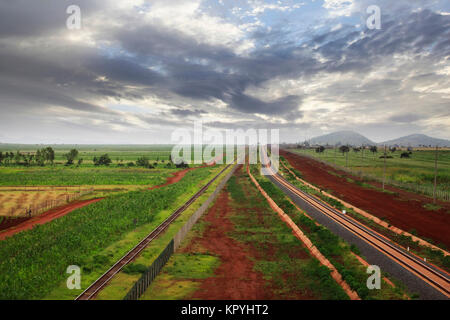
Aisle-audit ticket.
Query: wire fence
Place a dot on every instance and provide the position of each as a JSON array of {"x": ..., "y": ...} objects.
[
  {"x": 36, "y": 209},
  {"x": 150, "y": 274},
  {"x": 418, "y": 188}
]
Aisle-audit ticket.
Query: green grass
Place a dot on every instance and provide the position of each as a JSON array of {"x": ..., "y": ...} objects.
[
  {"x": 432, "y": 207},
  {"x": 33, "y": 263},
  {"x": 419, "y": 169},
  {"x": 61, "y": 176}
]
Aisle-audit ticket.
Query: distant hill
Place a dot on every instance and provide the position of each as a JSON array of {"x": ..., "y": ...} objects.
[
  {"x": 417, "y": 140},
  {"x": 341, "y": 138}
]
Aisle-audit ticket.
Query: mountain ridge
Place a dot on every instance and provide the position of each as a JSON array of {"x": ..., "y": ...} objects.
[{"x": 353, "y": 138}]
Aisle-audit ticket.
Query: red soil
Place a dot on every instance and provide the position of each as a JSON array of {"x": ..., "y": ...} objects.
[
  {"x": 45, "y": 217},
  {"x": 235, "y": 278},
  {"x": 176, "y": 176},
  {"x": 403, "y": 210}
]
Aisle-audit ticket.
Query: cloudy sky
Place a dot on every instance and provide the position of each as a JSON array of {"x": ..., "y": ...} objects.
[{"x": 137, "y": 70}]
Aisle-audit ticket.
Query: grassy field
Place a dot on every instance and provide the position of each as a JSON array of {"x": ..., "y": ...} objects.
[
  {"x": 15, "y": 203},
  {"x": 118, "y": 153},
  {"x": 418, "y": 169},
  {"x": 33, "y": 263},
  {"x": 71, "y": 176}
]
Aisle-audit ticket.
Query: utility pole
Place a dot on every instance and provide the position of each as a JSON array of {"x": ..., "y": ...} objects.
[
  {"x": 435, "y": 174},
  {"x": 384, "y": 169},
  {"x": 335, "y": 148},
  {"x": 346, "y": 156}
]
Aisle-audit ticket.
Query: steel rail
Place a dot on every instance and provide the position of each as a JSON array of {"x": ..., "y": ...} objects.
[
  {"x": 101, "y": 282},
  {"x": 443, "y": 282}
]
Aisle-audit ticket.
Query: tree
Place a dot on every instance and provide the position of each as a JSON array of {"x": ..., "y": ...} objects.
[
  {"x": 344, "y": 149},
  {"x": 17, "y": 157},
  {"x": 49, "y": 154},
  {"x": 71, "y": 156},
  {"x": 104, "y": 160},
  {"x": 182, "y": 164},
  {"x": 320, "y": 149},
  {"x": 144, "y": 162},
  {"x": 1, "y": 157},
  {"x": 40, "y": 157},
  {"x": 405, "y": 155}
]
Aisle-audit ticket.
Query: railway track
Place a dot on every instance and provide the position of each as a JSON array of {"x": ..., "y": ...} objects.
[
  {"x": 103, "y": 280},
  {"x": 434, "y": 277},
  {"x": 437, "y": 278}
]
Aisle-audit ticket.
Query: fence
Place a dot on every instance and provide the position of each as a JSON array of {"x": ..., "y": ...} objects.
[
  {"x": 418, "y": 188},
  {"x": 147, "y": 278},
  {"x": 37, "y": 209}
]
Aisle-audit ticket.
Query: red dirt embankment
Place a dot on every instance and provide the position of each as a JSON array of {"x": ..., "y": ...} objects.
[
  {"x": 404, "y": 209},
  {"x": 46, "y": 217},
  {"x": 235, "y": 278}
]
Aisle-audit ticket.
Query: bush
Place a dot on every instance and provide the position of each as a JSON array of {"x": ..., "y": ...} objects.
[
  {"x": 135, "y": 268},
  {"x": 104, "y": 160},
  {"x": 405, "y": 155}
]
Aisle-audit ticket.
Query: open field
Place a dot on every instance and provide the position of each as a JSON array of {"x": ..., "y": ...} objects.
[
  {"x": 125, "y": 153},
  {"x": 34, "y": 262},
  {"x": 16, "y": 203},
  {"x": 62, "y": 176},
  {"x": 416, "y": 170}
]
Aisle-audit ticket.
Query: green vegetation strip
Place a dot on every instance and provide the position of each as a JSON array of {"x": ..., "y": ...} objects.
[{"x": 33, "y": 263}]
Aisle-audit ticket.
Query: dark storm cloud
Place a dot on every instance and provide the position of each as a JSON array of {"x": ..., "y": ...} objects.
[
  {"x": 187, "y": 113},
  {"x": 406, "y": 118},
  {"x": 135, "y": 60},
  {"x": 25, "y": 18}
]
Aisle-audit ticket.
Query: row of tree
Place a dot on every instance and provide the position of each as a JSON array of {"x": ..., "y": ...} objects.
[
  {"x": 374, "y": 149},
  {"x": 40, "y": 157},
  {"x": 47, "y": 156}
]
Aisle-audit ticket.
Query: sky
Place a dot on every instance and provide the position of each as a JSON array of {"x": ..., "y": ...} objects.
[{"x": 138, "y": 70}]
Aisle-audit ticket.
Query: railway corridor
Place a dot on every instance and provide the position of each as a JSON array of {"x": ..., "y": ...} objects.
[{"x": 418, "y": 276}]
